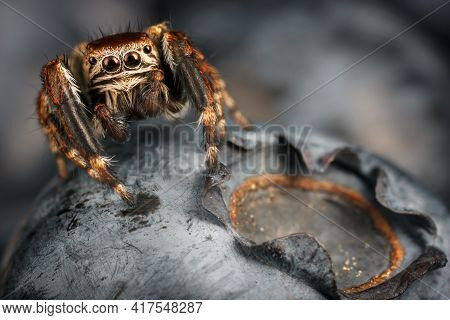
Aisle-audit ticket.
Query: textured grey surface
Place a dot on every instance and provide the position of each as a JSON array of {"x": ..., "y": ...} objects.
[
  {"x": 82, "y": 242},
  {"x": 79, "y": 244}
]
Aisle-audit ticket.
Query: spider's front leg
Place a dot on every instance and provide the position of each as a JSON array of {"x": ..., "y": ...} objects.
[
  {"x": 200, "y": 83},
  {"x": 63, "y": 117}
]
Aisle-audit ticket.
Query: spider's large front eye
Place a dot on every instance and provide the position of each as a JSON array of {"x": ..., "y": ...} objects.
[
  {"x": 111, "y": 64},
  {"x": 132, "y": 60},
  {"x": 147, "y": 49}
]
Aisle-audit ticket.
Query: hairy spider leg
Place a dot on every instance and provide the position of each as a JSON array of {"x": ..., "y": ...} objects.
[
  {"x": 63, "y": 118},
  {"x": 188, "y": 67}
]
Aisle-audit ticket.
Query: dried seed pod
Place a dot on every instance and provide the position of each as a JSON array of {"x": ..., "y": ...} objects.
[
  {"x": 353, "y": 227},
  {"x": 373, "y": 230}
]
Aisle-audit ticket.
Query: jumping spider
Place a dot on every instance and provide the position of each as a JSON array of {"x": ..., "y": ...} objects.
[{"x": 102, "y": 84}]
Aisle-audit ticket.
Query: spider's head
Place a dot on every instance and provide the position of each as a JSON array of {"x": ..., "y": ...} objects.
[{"x": 120, "y": 60}]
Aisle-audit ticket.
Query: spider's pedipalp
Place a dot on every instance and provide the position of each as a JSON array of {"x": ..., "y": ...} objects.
[
  {"x": 115, "y": 126},
  {"x": 64, "y": 119}
]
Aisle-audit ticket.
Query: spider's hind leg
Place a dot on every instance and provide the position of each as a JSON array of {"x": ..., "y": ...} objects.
[
  {"x": 222, "y": 96},
  {"x": 235, "y": 113}
]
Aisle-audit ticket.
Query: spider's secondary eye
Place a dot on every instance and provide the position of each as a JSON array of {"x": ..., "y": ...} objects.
[
  {"x": 132, "y": 59},
  {"x": 147, "y": 49},
  {"x": 111, "y": 64},
  {"x": 92, "y": 60}
]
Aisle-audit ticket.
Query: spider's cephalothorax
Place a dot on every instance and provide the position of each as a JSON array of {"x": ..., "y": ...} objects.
[{"x": 100, "y": 86}]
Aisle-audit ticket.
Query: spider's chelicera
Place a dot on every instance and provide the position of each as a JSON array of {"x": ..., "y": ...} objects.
[{"x": 105, "y": 83}]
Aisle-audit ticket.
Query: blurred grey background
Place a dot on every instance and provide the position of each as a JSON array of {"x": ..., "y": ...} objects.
[{"x": 272, "y": 53}]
